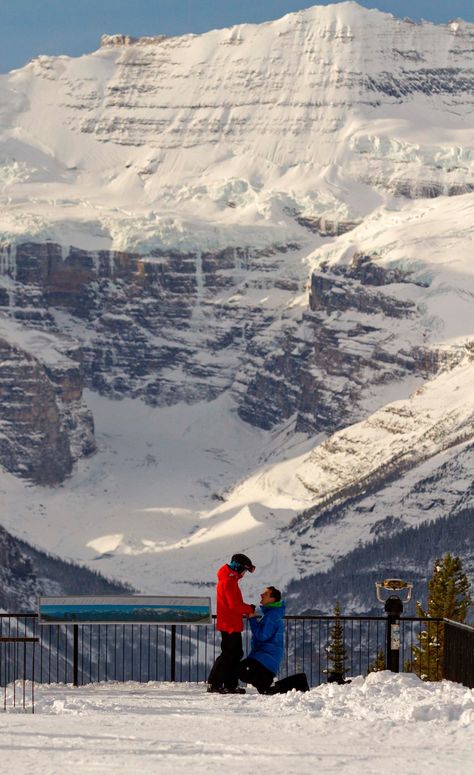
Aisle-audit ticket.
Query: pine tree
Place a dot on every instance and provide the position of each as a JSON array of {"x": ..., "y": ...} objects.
[
  {"x": 448, "y": 598},
  {"x": 336, "y": 653},
  {"x": 379, "y": 663}
]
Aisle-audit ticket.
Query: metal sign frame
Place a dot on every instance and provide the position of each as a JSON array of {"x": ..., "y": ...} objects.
[{"x": 124, "y": 609}]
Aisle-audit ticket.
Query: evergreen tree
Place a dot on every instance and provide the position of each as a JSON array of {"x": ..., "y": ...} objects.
[
  {"x": 448, "y": 598},
  {"x": 379, "y": 663},
  {"x": 336, "y": 653}
]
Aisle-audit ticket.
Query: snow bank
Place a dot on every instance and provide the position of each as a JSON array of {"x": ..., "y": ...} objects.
[
  {"x": 387, "y": 723},
  {"x": 382, "y": 696},
  {"x": 387, "y": 697}
]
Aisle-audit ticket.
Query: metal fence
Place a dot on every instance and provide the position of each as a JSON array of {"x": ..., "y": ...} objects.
[
  {"x": 459, "y": 653},
  {"x": 82, "y": 654},
  {"x": 17, "y": 673}
]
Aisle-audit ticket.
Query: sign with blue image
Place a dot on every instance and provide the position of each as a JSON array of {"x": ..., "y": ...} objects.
[{"x": 120, "y": 609}]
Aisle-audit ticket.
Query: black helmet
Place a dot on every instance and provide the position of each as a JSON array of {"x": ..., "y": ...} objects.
[{"x": 242, "y": 562}]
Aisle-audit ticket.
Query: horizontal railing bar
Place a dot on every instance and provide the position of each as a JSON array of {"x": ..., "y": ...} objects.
[
  {"x": 461, "y": 625},
  {"x": 292, "y": 617},
  {"x": 326, "y": 617},
  {"x": 33, "y": 614},
  {"x": 19, "y": 640}
]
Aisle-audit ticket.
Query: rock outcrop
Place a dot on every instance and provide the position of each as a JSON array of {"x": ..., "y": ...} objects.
[
  {"x": 165, "y": 327},
  {"x": 170, "y": 327},
  {"x": 44, "y": 424},
  {"x": 347, "y": 341}
]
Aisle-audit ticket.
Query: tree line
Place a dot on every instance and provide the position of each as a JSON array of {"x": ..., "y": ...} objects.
[
  {"x": 409, "y": 553},
  {"x": 448, "y": 597}
]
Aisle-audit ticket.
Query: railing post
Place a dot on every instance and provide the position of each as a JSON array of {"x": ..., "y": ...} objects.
[
  {"x": 20, "y": 666},
  {"x": 75, "y": 655},
  {"x": 393, "y": 608},
  {"x": 173, "y": 652},
  {"x": 459, "y": 652},
  {"x": 33, "y": 678}
]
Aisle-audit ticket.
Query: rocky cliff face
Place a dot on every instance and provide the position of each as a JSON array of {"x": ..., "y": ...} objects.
[
  {"x": 44, "y": 425},
  {"x": 171, "y": 326},
  {"x": 347, "y": 342},
  {"x": 166, "y": 327}
]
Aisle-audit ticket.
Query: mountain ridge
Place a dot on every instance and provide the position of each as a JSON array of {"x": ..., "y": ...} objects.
[{"x": 225, "y": 257}]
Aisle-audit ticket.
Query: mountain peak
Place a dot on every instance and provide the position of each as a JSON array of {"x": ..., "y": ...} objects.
[{"x": 128, "y": 40}]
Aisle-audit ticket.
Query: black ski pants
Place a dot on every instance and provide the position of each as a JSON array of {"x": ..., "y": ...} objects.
[
  {"x": 253, "y": 672},
  {"x": 225, "y": 670}
]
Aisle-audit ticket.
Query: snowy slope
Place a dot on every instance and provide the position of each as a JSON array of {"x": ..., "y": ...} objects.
[
  {"x": 143, "y": 508},
  {"x": 433, "y": 242}
]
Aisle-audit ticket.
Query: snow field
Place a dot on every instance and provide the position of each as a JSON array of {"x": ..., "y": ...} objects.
[{"x": 385, "y": 723}]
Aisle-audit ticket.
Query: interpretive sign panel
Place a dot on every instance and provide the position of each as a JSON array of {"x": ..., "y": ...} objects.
[{"x": 119, "y": 609}]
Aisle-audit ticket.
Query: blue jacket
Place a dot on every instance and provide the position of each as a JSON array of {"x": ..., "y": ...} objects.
[{"x": 267, "y": 643}]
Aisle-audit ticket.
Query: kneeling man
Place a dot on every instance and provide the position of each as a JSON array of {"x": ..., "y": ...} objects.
[{"x": 267, "y": 644}]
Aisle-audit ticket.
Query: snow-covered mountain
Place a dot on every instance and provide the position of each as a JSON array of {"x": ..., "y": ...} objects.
[
  {"x": 236, "y": 294},
  {"x": 27, "y": 572}
]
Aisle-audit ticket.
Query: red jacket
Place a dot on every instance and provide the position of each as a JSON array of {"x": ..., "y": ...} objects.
[{"x": 230, "y": 605}]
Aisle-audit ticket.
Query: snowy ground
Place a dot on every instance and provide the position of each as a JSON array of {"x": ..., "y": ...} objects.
[{"x": 384, "y": 723}]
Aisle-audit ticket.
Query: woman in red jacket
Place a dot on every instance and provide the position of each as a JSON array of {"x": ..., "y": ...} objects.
[{"x": 231, "y": 609}]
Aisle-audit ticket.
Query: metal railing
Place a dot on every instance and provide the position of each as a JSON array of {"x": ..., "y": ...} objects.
[
  {"x": 459, "y": 653},
  {"x": 82, "y": 654},
  {"x": 17, "y": 673}
]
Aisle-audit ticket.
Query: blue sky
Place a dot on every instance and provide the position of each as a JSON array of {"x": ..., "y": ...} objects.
[{"x": 74, "y": 27}]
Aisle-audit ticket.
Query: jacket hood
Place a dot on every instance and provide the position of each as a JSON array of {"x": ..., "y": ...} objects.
[
  {"x": 227, "y": 572},
  {"x": 276, "y": 611}
]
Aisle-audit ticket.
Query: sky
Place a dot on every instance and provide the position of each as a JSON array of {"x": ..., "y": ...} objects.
[{"x": 73, "y": 27}]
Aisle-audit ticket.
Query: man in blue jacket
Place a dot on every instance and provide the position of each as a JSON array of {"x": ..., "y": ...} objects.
[{"x": 266, "y": 648}]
